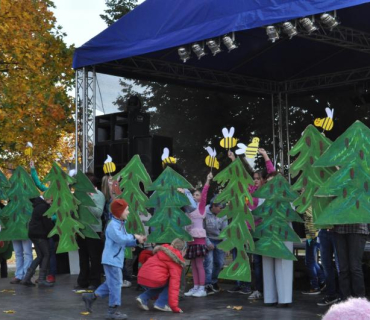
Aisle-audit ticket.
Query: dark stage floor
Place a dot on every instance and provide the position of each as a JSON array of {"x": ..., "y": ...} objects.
[{"x": 61, "y": 303}]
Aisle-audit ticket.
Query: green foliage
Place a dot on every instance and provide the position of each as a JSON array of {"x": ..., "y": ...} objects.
[
  {"x": 82, "y": 187},
  {"x": 169, "y": 220},
  {"x": 17, "y": 214},
  {"x": 64, "y": 206},
  {"x": 236, "y": 234},
  {"x": 117, "y": 9},
  {"x": 350, "y": 184},
  {"x": 276, "y": 213}
]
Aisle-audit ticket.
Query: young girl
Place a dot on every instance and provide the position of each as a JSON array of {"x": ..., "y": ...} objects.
[{"x": 197, "y": 248}]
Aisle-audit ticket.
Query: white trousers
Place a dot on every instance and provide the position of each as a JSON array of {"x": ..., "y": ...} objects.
[{"x": 278, "y": 279}]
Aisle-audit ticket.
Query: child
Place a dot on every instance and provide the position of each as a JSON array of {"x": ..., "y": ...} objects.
[
  {"x": 161, "y": 275},
  {"x": 116, "y": 240},
  {"x": 197, "y": 248}
]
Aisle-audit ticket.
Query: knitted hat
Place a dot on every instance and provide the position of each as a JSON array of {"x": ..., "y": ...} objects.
[{"x": 117, "y": 207}]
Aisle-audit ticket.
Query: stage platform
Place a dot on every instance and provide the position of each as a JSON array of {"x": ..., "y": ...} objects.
[{"x": 61, "y": 303}]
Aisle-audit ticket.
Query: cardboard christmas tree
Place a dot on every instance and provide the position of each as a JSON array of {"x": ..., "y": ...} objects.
[
  {"x": 133, "y": 177},
  {"x": 349, "y": 186},
  {"x": 236, "y": 234},
  {"x": 82, "y": 188},
  {"x": 169, "y": 220},
  {"x": 309, "y": 148},
  {"x": 17, "y": 214},
  {"x": 276, "y": 213},
  {"x": 64, "y": 206}
]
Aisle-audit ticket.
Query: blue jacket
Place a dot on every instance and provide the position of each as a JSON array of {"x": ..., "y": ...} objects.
[{"x": 116, "y": 240}]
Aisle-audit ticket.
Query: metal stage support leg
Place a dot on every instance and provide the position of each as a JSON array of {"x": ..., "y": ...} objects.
[
  {"x": 280, "y": 131},
  {"x": 85, "y": 118}
]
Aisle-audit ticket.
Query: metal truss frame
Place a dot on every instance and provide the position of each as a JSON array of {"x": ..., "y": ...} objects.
[{"x": 85, "y": 101}]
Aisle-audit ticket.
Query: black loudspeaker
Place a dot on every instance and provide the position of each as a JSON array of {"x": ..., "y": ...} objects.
[{"x": 150, "y": 150}]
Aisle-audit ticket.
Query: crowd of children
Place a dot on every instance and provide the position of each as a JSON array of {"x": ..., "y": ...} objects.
[{"x": 161, "y": 272}]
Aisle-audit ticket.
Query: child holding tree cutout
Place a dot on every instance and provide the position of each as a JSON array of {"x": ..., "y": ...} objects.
[
  {"x": 197, "y": 248},
  {"x": 117, "y": 239}
]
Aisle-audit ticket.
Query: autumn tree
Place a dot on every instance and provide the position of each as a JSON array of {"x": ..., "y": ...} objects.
[
  {"x": 236, "y": 234},
  {"x": 117, "y": 9},
  {"x": 17, "y": 214},
  {"x": 133, "y": 177},
  {"x": 350, "y": 185},
  {"x": 169, "y": 220},
  {"x": 35, "y": 75},
  {"x": 64, "y": 207}
]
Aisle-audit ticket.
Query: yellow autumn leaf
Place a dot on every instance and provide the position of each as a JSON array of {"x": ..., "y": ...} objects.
[
  {"x": 9, "y": 311},
  {"x": 85, "y": 313}
]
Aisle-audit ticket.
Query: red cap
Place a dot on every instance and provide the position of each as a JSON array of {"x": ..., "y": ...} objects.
[{"x": 117, "y": 207}]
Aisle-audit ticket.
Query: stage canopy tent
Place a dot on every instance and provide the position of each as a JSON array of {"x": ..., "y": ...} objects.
[{"x": 143, "y": 44}]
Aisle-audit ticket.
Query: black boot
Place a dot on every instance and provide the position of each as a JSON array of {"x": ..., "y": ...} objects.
[
  {"x": 42, "y": 280},
  {"x": 27, "y": 278}
]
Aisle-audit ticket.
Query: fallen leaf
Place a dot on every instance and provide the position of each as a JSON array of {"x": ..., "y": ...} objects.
[
  {"x": 238, "y": 308},
  {"x": 228, "y": 307},
  {"x": 8, "y": 290},
  {"x": 9, "y": 311},
  {"x": 85, "y": 313}
]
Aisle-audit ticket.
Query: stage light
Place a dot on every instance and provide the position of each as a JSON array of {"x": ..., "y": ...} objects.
[
  {"x": 229, "y": 42},
  {"x": 213, "y": 46},
  {"x": 289, "y": 29},
  {"x": 272, "y": 33},
  {"x": 328, "y": 20},
  {"x": 198, "y": 50},
  {"x": 308, "y": 25},
  {"x": 184, "y": 54}
]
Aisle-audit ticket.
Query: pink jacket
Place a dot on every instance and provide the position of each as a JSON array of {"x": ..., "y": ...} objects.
[{"x": 196, "y": 229}]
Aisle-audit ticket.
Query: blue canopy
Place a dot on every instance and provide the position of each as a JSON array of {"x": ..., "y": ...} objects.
[{"x": 161, "y": 24}]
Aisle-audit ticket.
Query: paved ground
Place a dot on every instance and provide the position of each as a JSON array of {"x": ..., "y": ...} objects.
[{"x": 61, "y": 303}]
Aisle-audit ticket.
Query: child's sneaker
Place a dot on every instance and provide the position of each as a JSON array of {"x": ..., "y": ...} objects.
[
  {"x": 126, "y": 284},
  {"x": 166, "y": 308},
  {"x": 141, "y": 304},
  {"x": 190, "y": 292},
  {"x": 200, "y": 293},
  {"x": 256, "y": 295},
  {"x": 89, "y": 299},
  {"x": 113, "y": 314}
]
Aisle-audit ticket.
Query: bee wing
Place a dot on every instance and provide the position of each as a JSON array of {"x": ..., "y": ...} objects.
[
  {"x": 231, "y": 132},
  {"x": 242, "y": 148},
  {"x": 209, "y": 150},
  {"x": 29, "y": 144},
  {"x": 214, "y": 153},
  {"x": 165, "y": 154},
  {"x": 329, "y": 112},
  {"x": 225, "y": 132},
  {"x": 109, "y": 159}
]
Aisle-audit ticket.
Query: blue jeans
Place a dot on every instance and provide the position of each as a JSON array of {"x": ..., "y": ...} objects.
[
  {"x": 150, "y": 293},
  {"x": 112, "y": 285},
  {"x": 328, "y": 251},
  {"x": 53, "y": 258},
  {"x": 23, "y": 257},
  {"x": 214, "y": 262},
  {"x": 315, "y": 273}
]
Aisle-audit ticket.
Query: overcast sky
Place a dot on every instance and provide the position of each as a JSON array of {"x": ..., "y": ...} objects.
[{"x": 81, "y": 21}]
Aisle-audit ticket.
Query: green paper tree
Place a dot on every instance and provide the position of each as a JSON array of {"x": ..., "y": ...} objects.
[
  {"x": 236, "y": 234},
  {"x": 4, "y": 186},
  {"x": 82, "y": 187},
  {"x": 276, "y": 213},
  {"x": 169, "y": 220},
  {"x": 17, "y": 214},
  {"x": 133, "y": 176},
  {"x": 309, "y": 148},
  {"x": 64, "y": 206},
  {"x": 350, "y": 185}
]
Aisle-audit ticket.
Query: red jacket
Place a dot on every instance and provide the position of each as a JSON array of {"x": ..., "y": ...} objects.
[{"x": 164, "y": 267}]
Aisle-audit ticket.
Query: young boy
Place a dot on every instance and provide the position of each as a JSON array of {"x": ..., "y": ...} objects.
[
  {"x": 161, "y": 276},
  {"x": 116, "y": 240}
]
